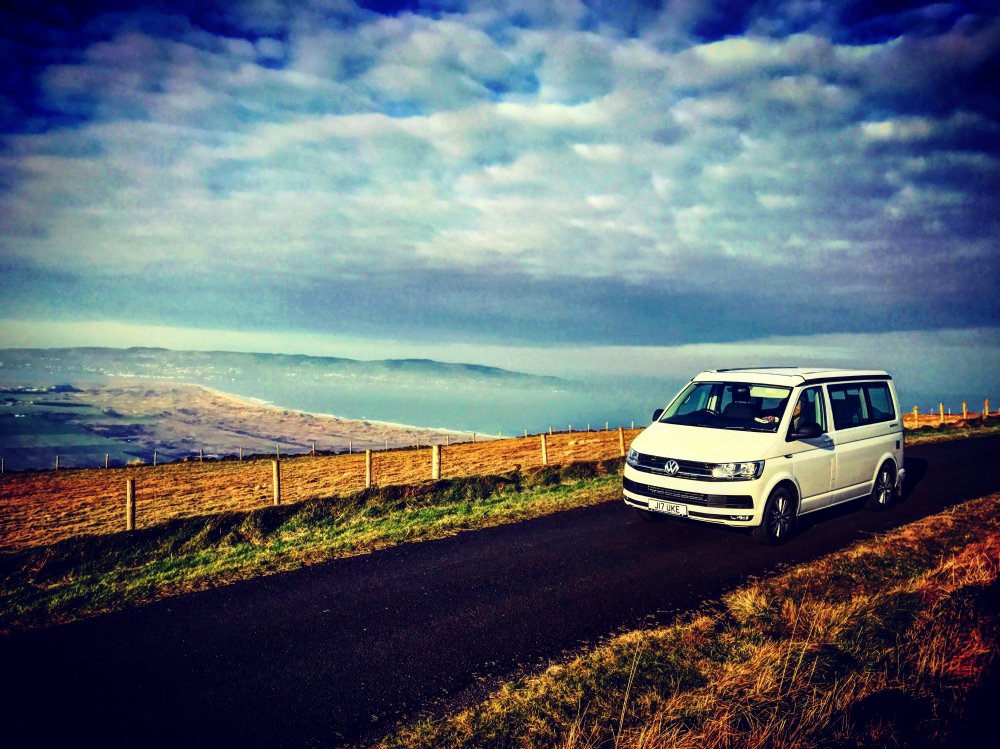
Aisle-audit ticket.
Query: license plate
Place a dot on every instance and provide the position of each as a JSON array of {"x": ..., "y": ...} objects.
[{"x": 668, "y": 507}]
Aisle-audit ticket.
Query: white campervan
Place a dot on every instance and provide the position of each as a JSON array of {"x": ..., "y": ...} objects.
[{"x": 758, "y": 448}]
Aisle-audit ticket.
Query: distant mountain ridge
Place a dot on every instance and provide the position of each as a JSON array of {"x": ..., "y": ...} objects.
[{"x": 31, "y": 363}]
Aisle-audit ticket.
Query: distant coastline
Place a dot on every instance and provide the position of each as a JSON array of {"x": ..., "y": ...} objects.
[
  {"x": 262, "y": 403},
  {"x": 447, "y": 397},
  {"x": 139, "y": 420}
]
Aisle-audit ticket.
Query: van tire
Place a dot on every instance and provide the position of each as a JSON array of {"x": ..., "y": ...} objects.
[
  {"x": 778, "y": 523},
  {"x": 651, "y": 517},
  {"x": 884, "y": 491}
]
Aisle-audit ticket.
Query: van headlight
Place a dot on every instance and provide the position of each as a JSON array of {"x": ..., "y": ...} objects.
[
  {"x": 738, "y": 471},
  {"x": 633, "y": 457}
]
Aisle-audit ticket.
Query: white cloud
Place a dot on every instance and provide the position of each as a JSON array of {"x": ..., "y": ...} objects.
[
  {"x": 911, "y": 128},
  {"x": 776, "y": 202},
  {"x": 467, "y": 141},
  {"x": 606, "y": 152}
]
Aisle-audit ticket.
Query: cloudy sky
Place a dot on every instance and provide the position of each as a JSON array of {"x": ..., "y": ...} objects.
[{"x": 459, "y": 177}]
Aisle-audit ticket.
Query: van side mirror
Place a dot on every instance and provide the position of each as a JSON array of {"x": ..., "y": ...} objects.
[
  {"x": 808, "y": 430},
  {"x": 657, "y": 414}
]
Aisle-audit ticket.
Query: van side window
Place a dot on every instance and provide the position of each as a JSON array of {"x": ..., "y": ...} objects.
[
  {"x": 809, "y": 408},
  {"x": 856, "y": 405},
  {"x": 880, "y": 402}
]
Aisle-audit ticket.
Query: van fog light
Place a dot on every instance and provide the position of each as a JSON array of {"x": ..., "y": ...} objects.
[
  {"x": 740, "y": 517},
  {"x": 738, "y": 471}
]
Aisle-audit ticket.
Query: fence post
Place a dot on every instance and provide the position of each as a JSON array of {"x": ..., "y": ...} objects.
[
  {"x": 154, "y": 457},
  {"x": 277, "y": 451},
  {"x": 201, "y": 455},
  {"x": 621, "y": 441},
  {"x": 241, "y": 453},
  {"x": 57, "y": 461},
  {"x": 545, "y": 452},
  {"x": 633, "y": 423},
  {"x": 941, "y": 410},
  {"x": 436, "y": 462},
  {"x": 130, "y": 504},
  {"x": 314, "y": 449},
  {"x": 106, "y": 458},
  {"x": 1, "y": 466},
  {"x": 368, "y": 469},
  {"x": 916, "y": 417},
  {"x": 965, "y": 411},
  {"x": 607, "y": 427},
  {"x": 350, "y": 447},
  {"x": 276, "y": 473}
]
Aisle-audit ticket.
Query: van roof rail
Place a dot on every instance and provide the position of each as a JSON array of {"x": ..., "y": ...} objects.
[{"x": 752, "y": 369}]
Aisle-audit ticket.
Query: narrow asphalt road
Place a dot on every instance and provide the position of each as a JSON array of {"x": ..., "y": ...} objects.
[{"x": 331, "y": 653}]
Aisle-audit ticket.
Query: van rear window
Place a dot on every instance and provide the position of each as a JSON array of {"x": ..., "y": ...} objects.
[{"x": 862, "y": 403}]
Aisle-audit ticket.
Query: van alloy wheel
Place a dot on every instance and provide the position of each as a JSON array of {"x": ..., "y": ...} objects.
[
  {"x": 884, "y": 490},
  {"x": 778, "y": 522},
  {"x": 780, "y": 517}
]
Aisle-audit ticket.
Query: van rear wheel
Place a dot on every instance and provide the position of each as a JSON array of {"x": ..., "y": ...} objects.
[
  {"x": 778, "y": 523},
  {"x": 884, "y": 492}
]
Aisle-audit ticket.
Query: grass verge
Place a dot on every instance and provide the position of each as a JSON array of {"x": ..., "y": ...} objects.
[
  {"x": 87, "y": 575},
  {"x": 875, "y": 646}
]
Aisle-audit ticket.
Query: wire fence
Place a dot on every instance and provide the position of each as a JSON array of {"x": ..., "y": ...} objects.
[
  {"x": 41, "y": 507},
  {"x": 935, "y": 416}
]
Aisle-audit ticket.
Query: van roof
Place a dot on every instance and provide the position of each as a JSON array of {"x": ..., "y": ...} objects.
[{"x": 792, "y": 376}]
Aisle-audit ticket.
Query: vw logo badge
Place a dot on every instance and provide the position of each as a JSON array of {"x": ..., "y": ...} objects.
[{"x": 671, "y": 467}]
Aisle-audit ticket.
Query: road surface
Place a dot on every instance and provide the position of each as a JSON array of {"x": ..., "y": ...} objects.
[{"x": 334, "y": 653}]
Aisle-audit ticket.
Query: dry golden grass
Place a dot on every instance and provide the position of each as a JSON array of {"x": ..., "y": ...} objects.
[
  {"x": 934, "y": 419},
  {"x": 45, "y": 507}
]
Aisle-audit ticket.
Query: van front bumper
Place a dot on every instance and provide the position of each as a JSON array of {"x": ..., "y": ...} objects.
[{"x": 731, "y": 509}]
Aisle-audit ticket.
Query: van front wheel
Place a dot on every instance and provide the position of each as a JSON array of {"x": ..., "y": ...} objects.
[{"x": 778, "y": 523}]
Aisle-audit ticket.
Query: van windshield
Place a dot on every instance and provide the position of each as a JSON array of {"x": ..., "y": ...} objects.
[{"x": 729, "y": 405}]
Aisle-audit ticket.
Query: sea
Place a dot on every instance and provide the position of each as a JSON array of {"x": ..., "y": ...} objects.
[{"x": 491, "y": 409}]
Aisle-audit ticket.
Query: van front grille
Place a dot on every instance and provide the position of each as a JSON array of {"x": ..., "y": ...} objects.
[{"x": 687, "y": 469}]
